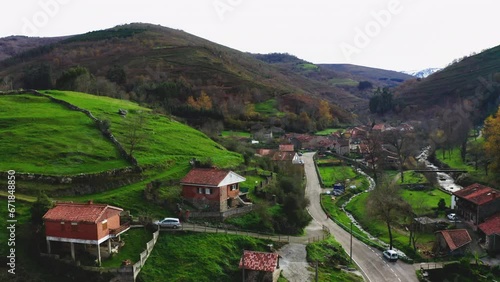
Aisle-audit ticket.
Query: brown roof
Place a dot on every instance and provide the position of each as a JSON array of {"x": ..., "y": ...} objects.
[
  {"x": 259, "y": 261},
  {"x": 79, "y": 212},
  {"x": 211, "y": 177},
  {"x": 491, "y": 225},
  {"x": 478, "y": 194},
  {"x": 205, "y": 176},
  {"x": 265, "y": 152},
  {"x": 456, "y": 238},
  {"x": 287, "y": 148}
]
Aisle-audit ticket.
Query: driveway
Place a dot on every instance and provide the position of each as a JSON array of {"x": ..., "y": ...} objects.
[{"x": 369, "y": 260}]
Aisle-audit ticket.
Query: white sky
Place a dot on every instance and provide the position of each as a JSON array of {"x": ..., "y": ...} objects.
[{"x": 417, "y": 33}]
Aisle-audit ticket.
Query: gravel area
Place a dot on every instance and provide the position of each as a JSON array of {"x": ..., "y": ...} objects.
[{"x": 293, "y": 263}]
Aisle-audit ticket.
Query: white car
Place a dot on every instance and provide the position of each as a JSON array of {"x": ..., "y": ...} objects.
[
  {"x": 452, "y": 216},
  {"x": 390, "y": 255},
  {"x": 169, "y": 222}
]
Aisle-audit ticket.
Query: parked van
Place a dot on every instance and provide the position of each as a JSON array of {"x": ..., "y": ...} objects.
[{"x": 169, "y": 222}]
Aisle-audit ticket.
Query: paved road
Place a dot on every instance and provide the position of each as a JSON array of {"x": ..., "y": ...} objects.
[{"x": 369, "y": 260}]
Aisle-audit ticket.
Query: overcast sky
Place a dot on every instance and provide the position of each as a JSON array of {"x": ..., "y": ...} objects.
[{"x": 390, "y": 34}]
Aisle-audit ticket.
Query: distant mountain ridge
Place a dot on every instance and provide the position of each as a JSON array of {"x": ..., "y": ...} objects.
[{"x": 422, "y": 73}]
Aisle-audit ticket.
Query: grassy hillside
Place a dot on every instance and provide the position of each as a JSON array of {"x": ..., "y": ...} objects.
[
  {"x": 198, "y": 257},
  {"x": 473, "y": 81},
  {"x": 40, "y": 136},
  {"x": 48, "y": 138},
  {"x": 163, "y": 67}
]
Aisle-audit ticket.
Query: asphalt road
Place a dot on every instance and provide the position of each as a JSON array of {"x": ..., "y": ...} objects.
[{"x": 370, "y": 261}]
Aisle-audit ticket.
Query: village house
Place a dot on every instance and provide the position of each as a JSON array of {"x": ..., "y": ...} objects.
[
  {"x": 475, "y": 203},
  {"x": 83, "y": 224},
  {"x": 452, "y": 242},
  {"x": 211, "y": 189},
  {"x": 490, "y": 233},
  {"x": 260, "y": 266}
]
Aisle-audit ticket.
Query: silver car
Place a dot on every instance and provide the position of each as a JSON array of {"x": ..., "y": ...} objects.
[{"x": 169, "y": 222}]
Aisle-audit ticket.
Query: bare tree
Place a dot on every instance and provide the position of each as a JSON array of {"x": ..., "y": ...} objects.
[
  {"x": 386, "y": 204},
  {"x": 374, "y": 154},
  {"x": 403, "y": 144},
  {"x": 136, "y": 131}
]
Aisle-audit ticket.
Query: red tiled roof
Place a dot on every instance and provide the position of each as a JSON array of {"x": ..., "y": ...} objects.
[
  {"x": 478, "y": 194},
  {"x": 259, "y": 261},
  {"x": 491, "y": 225},
  {"x": 456, "y": 238},
  {"x": 265, "y": 152},
  {"x": 80, "y": 212},
  {"x": 287, "y": 148},
  {"x": 205, "y": 176}
]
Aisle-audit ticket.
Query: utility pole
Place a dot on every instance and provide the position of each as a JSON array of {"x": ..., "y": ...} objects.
[{"x": 350, "y": 253}]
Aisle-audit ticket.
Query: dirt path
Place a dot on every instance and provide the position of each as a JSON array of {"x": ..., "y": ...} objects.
[{"x": 293, "y": 263}]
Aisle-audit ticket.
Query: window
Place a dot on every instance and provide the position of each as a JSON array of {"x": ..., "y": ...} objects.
[
  {"x": 105, "y": 224},
  {"x": 234, "y": 187},
  {"x": 200, "y": 190},
  {"x": 208, "y": 191},
  {"x": 74, "y": 226},
  {"x": 62, "y": 226}
]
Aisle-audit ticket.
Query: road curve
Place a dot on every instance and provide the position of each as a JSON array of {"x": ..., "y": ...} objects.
[{"x": 369, "y": 260}]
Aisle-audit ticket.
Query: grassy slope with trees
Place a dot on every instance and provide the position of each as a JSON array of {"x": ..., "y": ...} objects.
[{"x": 164, "y": 67}]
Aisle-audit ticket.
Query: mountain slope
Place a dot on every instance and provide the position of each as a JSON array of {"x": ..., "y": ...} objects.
[
  {"x": 384, "y": 78},
  {"x": 153, "y": 57},
  {"x": 422, "y": 73},
  {"x": 473, "y": 83},
  {"x": 13, "y": 45}
]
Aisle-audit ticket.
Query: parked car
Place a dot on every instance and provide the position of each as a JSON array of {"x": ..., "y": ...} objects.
[
  {"x": 390, "y": 255},
  {"x": 452, "y": 216},
  {"x": 169, "y": 222}
]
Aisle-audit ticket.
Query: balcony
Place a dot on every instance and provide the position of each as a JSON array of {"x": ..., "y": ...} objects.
[{"x": 113, "y": 233}]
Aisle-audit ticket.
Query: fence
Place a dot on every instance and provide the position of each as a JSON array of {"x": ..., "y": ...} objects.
[{"x": 145, "y": 255}]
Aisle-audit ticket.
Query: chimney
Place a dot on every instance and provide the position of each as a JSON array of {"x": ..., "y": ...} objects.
[
  {"x": 494, "y": 194},
  {"x": 90, "y": 202}
]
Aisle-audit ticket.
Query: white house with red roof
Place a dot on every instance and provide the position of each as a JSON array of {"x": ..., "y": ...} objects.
[
  {"x": 83, "y": 223},
  {"x": 254, "y": 263},
  {"x": 212, "y": 189}
]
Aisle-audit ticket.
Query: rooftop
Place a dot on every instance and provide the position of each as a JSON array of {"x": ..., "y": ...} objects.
[
  {"x": 81, "y": 212},
  {"x": 259, "y": 261},
  {"x": 491, "y": 225},
  {"x": 211, "y": 177},
  {"x": 456, "y": 238},
  {"x": 478, "y": 194}
]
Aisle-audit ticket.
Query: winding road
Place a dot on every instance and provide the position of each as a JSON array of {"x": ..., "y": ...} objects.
[{"x": 370, "y": 261}]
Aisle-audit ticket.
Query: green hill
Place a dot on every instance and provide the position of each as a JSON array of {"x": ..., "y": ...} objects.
[
  {"x": 40, "y": 136},
  {"x": 472, "y": 82},
  {"x": 163, "y": 67}
]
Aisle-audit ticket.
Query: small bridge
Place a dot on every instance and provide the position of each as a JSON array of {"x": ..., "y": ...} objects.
[{"x": 440, "y": 170}]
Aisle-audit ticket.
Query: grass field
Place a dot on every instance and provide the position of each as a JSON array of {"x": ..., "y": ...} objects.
[
  {"x": 411, "y": 177},
  {"x": 40, "y": 136},
  {"x": 329, "y": 254},
  {"x": 165, "y": 140},
  {"x": 198, "y": 257},
  {"x": 338, "y": 174},
  {"x": 421, "y": 201},
  {"x": 135, "y": 243},
  {"x": 268, "y": 108},
  {"x": 328, "y": 131},
  {"x": 332, "y": 208},
  {"x": 226, "y": 133}
]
